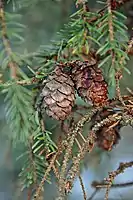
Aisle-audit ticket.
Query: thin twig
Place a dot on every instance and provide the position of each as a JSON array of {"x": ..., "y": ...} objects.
[
  {"x": 81, "y": 135},
  {"x": 118, "y": 90},
  {"x": 39, "y": 189},
  {"x": 77, "y": 142},
  {"x": 101, "y": 185},
  {"x": 78, "y": 127},
  {"x": 87, "y": 146},
  {"x": 127, "y": 119},
  {"x": 21, "y": 82},
  {"x": 115, "y": 173},
  {"x": 108, "y": 120},
  {"x": 111, "y": 29},
  {"x": 83, "y": 188},
  {"x": 61, "y": 147},
  {"x": 56, "y": 172}
]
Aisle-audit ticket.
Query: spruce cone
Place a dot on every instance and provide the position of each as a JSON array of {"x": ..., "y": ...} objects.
[
  {"x": 89, "y": 82},
  {"x": 108, "y": 135},
  {"x": 58, "y": 94}
]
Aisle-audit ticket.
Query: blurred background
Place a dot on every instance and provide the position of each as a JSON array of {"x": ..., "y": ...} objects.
[{"x": 43, "y": 19}]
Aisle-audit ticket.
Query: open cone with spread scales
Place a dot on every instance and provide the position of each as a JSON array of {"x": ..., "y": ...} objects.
[{"x": 58, "y": 94}]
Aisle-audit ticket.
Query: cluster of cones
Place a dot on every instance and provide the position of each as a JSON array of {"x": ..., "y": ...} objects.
[
  {"x": 59, "y": 89},
  {"x": 85, "y": 78}
]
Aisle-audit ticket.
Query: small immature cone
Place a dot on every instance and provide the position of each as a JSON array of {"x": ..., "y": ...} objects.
[
  {"x": 58, "y": 94},
  {"x": 108, "y": 135}
]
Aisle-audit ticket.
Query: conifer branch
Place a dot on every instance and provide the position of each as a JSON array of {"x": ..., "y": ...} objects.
[
  {"x": 87, "y": 146},
  {"x": 83, "y": 188},
  {"x": 29, "y": 81},
  {"x": 112, "y": 51},
  {"x": 108, "y": 120},
  {"x": 39, "y": 189},
  {"x": 78, "y": 128},
  {"x": 118, "y": 92},
  {"x": 127, "y": 119},
  {"x": 111, "y": 30},
  {"x": 102, "y": 184},
  {"x": 61, "y": 147},
  {"x": 101, "y": 12},
  {"x": 122, "y": 167},
  {"x": 101, "y": 29},
  {"x": 6, "y": 42},
  {"x": 111, "y": 37}
]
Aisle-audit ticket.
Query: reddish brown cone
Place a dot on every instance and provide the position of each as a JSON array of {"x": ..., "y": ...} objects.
[{"x": 89, "y": 82}]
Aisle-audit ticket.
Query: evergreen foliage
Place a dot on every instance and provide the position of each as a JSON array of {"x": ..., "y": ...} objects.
[
  {"x": 19, "y": 109},
  {"x": 113, "y": 37},
  {"x": 101, "y": 35}
]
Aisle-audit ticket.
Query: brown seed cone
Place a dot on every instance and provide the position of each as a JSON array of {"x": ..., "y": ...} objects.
[
  {"x": 89, "y": 82},
  {"x": 58, "y": 94},
  {"x": 108, "y": 135}
]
